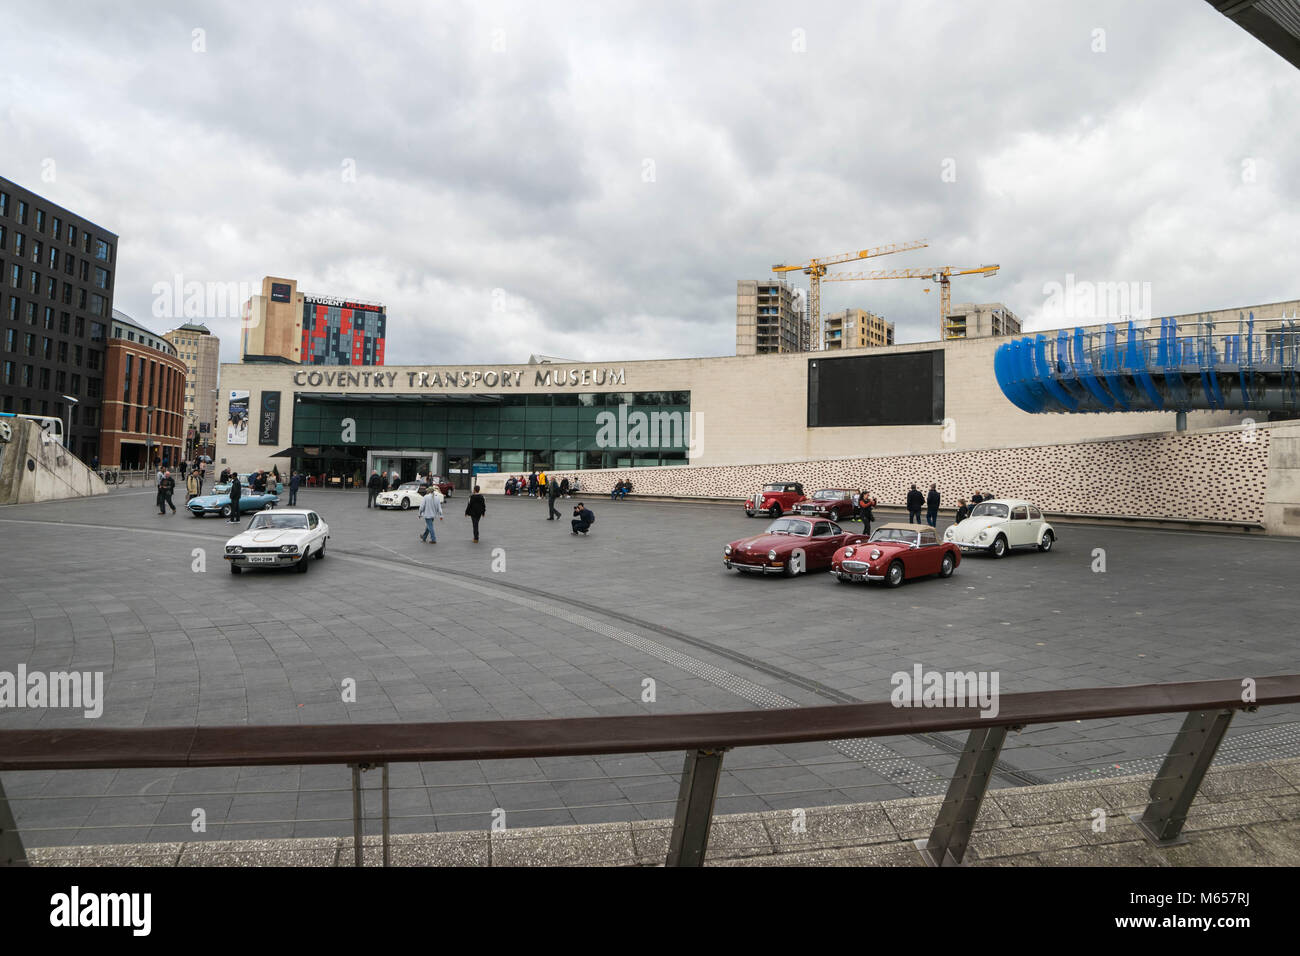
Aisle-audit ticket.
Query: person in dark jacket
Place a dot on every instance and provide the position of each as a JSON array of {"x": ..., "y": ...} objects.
[
  {"x": 236, "y": 492},
  {"x": 932, "y": 507},
  {"x": 295, "y": 480},
  {"x": 976, "y": 498},
  {"x": 915, "y": 501},
  {"x": 552, "y": 492},
  {"x": 865, "y": 505},
  {"x": 475, "y": 510},
  {"x": 373, "y": 487},
  {"x": 583, "y": 518},
  {"x": 165, "y": 489},
  {"x": 963, "y": 512},
  {"x": 532, "y": 484},
  {"x": 564, "y": 487}
]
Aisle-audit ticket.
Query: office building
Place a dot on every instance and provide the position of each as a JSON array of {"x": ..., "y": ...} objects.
[
  {"x": 144, "y": 398},
  {"x": 57, "y": 273},
  {"x": 200, "y": 350},
  {"x": 856, "y": 329},
  {"x": 968, "y": 320},
  {"x": 284, "y": 325}
]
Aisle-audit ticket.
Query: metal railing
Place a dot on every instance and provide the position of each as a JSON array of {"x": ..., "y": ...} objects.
[{"x": 705, "y": 738}]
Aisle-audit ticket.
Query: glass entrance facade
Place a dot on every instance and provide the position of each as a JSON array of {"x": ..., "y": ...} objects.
[{"x": 516, "y": 433}]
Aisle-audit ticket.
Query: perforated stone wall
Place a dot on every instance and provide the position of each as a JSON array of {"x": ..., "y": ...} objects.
[{"x": 1212, "y": 476}]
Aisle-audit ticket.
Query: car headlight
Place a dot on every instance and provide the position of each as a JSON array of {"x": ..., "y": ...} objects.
[
  {"x": 875, "y": 553},
  {"x": 234, "y": 550},
  {"x": 983, "y": 534},
  {"x": 848, "y": 552},
  {"x": 727, "y": 550},
  {"x": 288, "y": 548},
  {"x": 771, "y": 555},
  {"x": 947, "y": 535}
]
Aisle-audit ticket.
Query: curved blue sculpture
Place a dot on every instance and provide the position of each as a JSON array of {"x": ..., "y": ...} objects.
[{"x": 1106, "y": 370}]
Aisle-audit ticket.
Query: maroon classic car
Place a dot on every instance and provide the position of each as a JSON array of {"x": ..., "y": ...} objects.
[
  {"x": 895, "y": 553},
  {"x": 789, "y": 546},
  {"x": 834, "y": 503},
  {"x": 776, "y": 499}
]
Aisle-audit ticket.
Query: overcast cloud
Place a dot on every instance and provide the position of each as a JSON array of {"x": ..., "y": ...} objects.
[{"x": 591, "y": 180}]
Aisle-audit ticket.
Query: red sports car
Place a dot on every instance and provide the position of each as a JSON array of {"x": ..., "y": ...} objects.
[
  {"x": 895, "y": 553},
  {"x": 776, "y": 498},
  {"x": 789, "y": 546}
]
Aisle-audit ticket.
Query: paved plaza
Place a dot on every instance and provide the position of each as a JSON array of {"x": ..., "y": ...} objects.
[{"x": 534, "y": 622}]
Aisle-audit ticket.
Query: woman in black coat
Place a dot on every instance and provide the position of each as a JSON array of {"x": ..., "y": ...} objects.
[{"x": 475, "y": 510}]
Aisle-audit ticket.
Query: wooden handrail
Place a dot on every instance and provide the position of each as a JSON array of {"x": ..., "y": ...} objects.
[{"x": 244, "y": 746}]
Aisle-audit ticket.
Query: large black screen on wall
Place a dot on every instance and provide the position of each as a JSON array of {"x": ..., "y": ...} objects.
[{"x": 899, "y": 389}]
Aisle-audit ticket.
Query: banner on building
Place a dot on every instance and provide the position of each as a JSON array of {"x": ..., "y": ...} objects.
[
  {"x": 268, "y": 431},
  {"x": 237, "y": 423}
]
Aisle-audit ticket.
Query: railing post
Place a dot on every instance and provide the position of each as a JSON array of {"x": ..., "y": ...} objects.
[
  {"x": 1180, "y": 776},
  {"x": 695, "y": 798},
  {"x": 961, "y": 805},
  {"x": 358, "y": 807},
  {"x": 11, "y": 841}
]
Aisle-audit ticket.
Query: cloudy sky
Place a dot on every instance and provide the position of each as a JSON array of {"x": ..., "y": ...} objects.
[{"x": 591, "y": 180}]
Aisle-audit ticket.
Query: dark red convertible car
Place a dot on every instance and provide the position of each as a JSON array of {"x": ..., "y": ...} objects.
[
  {"x": 895, "y": 553},
  {"x": 789, "y": 546}
]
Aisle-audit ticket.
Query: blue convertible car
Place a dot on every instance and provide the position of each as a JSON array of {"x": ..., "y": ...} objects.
[{"x": 220, "y": 504}]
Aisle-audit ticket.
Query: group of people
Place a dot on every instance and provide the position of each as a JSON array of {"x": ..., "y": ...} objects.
[
  {"x": 431, "y": 511},
  {"x": 621, "y": 490},
  {"x": 930, "y": 502},
  {"x": 539, "y": 485},
  {"x": 165, "y": 483}
]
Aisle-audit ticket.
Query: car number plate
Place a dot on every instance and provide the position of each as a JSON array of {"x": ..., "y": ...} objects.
[{"x": 261, "y": 559}]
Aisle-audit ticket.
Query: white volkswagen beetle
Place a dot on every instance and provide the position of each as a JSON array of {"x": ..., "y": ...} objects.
[
  {"x": 280, "y": 538},
  {"x": 1003, "y": 523},
  {"x": 403, "y": 496}
]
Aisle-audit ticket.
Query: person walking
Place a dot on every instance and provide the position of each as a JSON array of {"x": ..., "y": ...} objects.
[
  {"x": 914, "y": 502},
  {"x": 236, "y": 492},
  {"x": 373, "y": 488},
  {"x": 430, "y": 508},
  {"x": 932, "y": 506},
  {"x": 865, "y": 504},
  {"x": 192, "y": 486},
  {"x": 552, "y": 492},
  {"x": 475, "y": 510},
  {"x": 583, "y": 518},
  {"x": 166, "y": 486},
  {"x": 295, "y": 481}
]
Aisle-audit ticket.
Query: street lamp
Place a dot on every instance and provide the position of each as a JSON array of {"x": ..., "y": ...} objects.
[{"x": 67, "y": 427}]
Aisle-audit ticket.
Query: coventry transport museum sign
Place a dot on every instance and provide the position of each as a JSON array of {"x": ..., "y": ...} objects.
[{"x": 381, "y": 380}]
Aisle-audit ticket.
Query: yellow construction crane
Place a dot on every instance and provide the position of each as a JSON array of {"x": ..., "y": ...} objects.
[
  {"x": 815, "y": 269},
  {"x": 938, "y": 275}
]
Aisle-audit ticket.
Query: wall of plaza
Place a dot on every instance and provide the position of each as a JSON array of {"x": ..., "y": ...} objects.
[{"x": 742, "y": 409}]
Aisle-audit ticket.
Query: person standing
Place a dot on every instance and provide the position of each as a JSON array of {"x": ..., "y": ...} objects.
[
  {"x": 976, "y": 498},
  {"x": 552, "y": 492},
  {"x": 541, "y": 483},
  {"x": 295, "y": 480},
  {"x": 192, "y": 486},
  {"x": 865, "y": 504},
  {"x": 914, "y": 502},
  {"x": 932, "y": 506},
  {"x": 430, "y": 508},
  {"x": 963, "y": 512},
  {"x": 373, "y": 488},
  {"x": 475, "y": 510},
  {"x": 165, "y": 486},
  {"x": 532, "y": 484},
  {"x": 182, "y": 469},
  {"x": 236, "y": 492}
]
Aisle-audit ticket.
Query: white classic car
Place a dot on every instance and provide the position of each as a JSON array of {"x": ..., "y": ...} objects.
[
  {"x": 1003, "y": 523},
  {"x": 277, "y": 539},
  {"x": 403, "y": 496}
]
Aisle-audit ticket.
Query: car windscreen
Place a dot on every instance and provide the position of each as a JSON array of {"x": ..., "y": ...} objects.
[
  {"x": 790, "y": 526},
  {"x": 894, "y": 534},
  {"x": 776, "y": 488},
  {"x": 989, "y": 509},
  {"x": 410, "y": 486},
  {"x": 266, "y": 522},
  {"x": 828, "y": 495}
]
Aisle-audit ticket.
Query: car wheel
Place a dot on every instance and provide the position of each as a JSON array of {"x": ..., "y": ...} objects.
[
  {"x": 320, "y": 555},
  {"x": 788, "y": 570},
  {"x": 774, "y": 511},
  {"x": 406, "y": 504},
  {"x": 234, "y": 568},
  {"x": 1048, "y": 540},
  {"x": 304, "y": 563},
  {"x": 945, "y": 569},
  {"x": 225, "y": 513},
  {"x": 894, "y": 576},
  {"x": 999, "y": 547}
]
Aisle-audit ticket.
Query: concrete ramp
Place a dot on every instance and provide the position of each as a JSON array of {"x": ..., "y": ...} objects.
[{"x": 35, "y": 466}]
